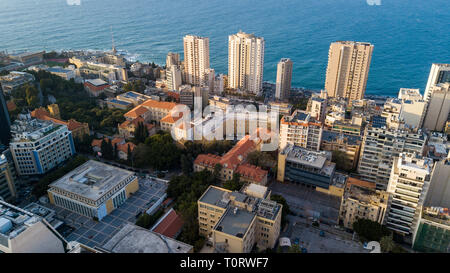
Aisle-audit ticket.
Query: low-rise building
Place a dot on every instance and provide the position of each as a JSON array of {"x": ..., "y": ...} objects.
[
  {"x": 348, "y": 145},
  {"x": 66, "y": 74},
  {"x": 301, "y": 130},
  {"x": 95, "y": 87},
  {"x": 127, "y": 128},
  {"x": 433, "y": 231},
  {"x": 24, "y": 232},
  {"x": 93, "y": 189},
  {"x": 14, "y": 80},
  {"x": 234, "y": 221},
  {"x": 361, "y": 200},
  {"x": 303, "y": 166}
]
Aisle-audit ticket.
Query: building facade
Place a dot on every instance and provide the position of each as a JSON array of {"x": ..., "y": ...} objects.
[
  {"x": 5, "y": 122},
  {"x": 245, "y": 62},
  {"x": 284, "y": 78},
  {"x": 438, "y": 109},
  {"x": 439, "y": 73},
  {"x": 196, "y": 59},
  {"x": 348, "y": 69},
  {"x": 300, "y": 129}
]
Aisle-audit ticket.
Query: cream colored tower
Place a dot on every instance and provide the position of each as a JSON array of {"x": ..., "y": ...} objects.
[
  {"x": 348, "y": 69},
  {"x": 245, "y": 62},
  {"x": 284, "y": 78},
  {"x": 196, "y": 59}
]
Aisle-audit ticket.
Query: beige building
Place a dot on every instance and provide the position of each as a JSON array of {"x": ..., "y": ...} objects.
[
  {"x": 172, "y": 59},
  {"x": 348, "y": 69},
  {"x": 235, "y": 221},
  {"x": 173, "y": 77},
  {"x": 438, "y": 108},
  {"x": 196, "y": 59},
  {"x": 439, "y": 73},
  {"x": 245, "y": 62},
  {"x": 7, "y": 177},
  {"x": 300, "y": 129},
  {"x": 362, "y": 201},
  {"x": 284, "y": 78}
]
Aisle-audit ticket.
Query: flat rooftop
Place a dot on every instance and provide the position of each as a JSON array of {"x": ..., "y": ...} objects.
[
  {"x": 92, "y": 180},
  {"x": 216, "y": 197},
  {"x": 235, "y": 222},
  {"x": 14, "y": 220},
  {"x": 134, "y": 239}
]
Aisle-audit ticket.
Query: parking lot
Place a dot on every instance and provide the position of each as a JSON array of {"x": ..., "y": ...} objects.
[
  {"x": 332, "y": 240},
  {"x": 93, "y": 233},
  {"x": 308, "y": 202}
]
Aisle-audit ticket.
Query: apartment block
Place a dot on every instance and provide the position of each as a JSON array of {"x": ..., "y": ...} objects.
[
  {"x": 196, "y": 59},
  {"x": 408, "y": 185},
  {"x": 300, "y": 129},
  {"x": 284, "y": 78},
  {"x": 438, "y": 109},
  {"x": 439, "y": 192},
  {"x": 439, "y": 73},
  {"x": 93, "y": 189},
  {"x": 348, "y": 69},
  {"x": 362, "y": 201},
  {"x": 37, "y": 146},
  {"x": 348, "y": 145},
  {"x": 234, "y": 221}
]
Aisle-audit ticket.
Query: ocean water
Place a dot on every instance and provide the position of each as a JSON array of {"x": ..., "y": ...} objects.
[{"x": 409, "y": 35}]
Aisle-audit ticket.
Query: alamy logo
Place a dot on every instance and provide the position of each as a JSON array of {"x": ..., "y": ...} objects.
[
  {"x": 73, "y": 2},
  {"x": 373, "y": 2}
]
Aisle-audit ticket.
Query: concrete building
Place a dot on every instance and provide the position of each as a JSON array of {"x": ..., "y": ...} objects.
[
  {"x": 24, "y": 232},
  {"x": 245, "y": 62},
  {"x": 438, "y": 108},
  {"x": 93, "y": 189},
  {"x": 302, "y": 166},
  {"x": 439, "y": 191},
  {"x": 408, "y": 186},
  {"x": 234, "y": 222},
  {"x": 317, "y": 107},
  {"x": 300, "y": 129},
  {"x": 348, "y": 69},
  {"x": 38, "y": 146},
  {"x": 14, "y": 80},
  {"x": 95, "y": 87},
  {"x": 413, "y": 107},
  {"x": 348, "y": 145},
  {"x": 439, "y": 73},
  {"x": 362, "y": 201},
  {"x": 135, "y": 239},
  {"x": 7, "y": 176},
  {"x": 284, "y": 78},
  {"x": 66, "y": 74},
  {"x": 379, "y": 147},
  {"x": 28, "y": 58},
  {"x": 173, "y": 77},
  {"x": 196, "y": 59},
  {"x": 150, "y": 110},
  {"x": 172, "y": 59},
  {"x": 433, "y": 231},
  {"x": 5, "y": 121}
]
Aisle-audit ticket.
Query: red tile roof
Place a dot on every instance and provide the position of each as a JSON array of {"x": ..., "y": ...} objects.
[
  {"x": 252, "y": 172},
  {"x": 207, "y": 160},
  {"x": 170, "y": 225},
  {"x": 238, "y": 153},
  {"x": 136, "y": 112}
]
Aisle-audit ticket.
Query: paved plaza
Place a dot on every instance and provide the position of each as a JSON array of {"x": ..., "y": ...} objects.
[{"x": 93, "y": 233}]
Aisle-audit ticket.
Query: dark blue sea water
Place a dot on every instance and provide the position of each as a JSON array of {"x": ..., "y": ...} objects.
[{"x": 408, "y": 35}]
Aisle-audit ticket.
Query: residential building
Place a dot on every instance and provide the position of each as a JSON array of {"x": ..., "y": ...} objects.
[
  {"x": 348, "y": 145},
  {"x": 173, "y": 77},
  {"x": 408, "y": 186},
  {"x": 284, "y": 78},
  {"x": 14, "y": 80},
  {"x": 300, "y": 129},
  {"x": 379, "y": 147},
  {"x": 5, "y": 122},
  {"x": 93, "y": 189},
  {"x": 362, "y": 201},
  {"x": 413, "y": 107},
  {"x": 127, "y": 128},
  {"x": 302, "y": 166},
  {"x": 439, "y": 73},
  {"x": 24, "y": 232},
  {"x": 37, "y": 146},
  {"x": 7, "y": 176},
  {"x": 317, "y": 107},
  {"x": 438, "y": 108},
  {"x": 245, "y": 62},
  {"x": 66, "y": 74},
  {"x": 439, "y": 192},
  {"x": 196, "y": 59},
  {"x": 233, "y": 222},
  {"x": 348, "y": 69},
  {"x": 187, "y": 96},
  {"x": 135, "y": 239},
  {"x": 172, "y": 59},
  {"x": 283, "y": 108}
]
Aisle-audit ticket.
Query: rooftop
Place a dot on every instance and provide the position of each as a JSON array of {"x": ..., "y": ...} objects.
[
  {"x": 92, "y": 180},
  {"x": 97, "y": 82},
  {"x": 14, "y": 220},
  {"x": 28, "y": 128},
  {"x": 134, "y": 239},
  {"x": 235, "y": 222},
  {"x": 216, "y": 196}
]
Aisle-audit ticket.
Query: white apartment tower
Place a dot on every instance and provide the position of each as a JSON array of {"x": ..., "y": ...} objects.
[
  {"x": 284, "y": 78},
  {"x": 408, "y": 186},
  {"x": 172, "y": 59},
  {"x": 173, "y": 76},
  {"x": 245, "y": 62},
  {"x": 196, "y": 59},
  {"x": 438, "y": 108}
]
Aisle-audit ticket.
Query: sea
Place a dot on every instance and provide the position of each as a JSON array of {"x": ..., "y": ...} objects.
[{"x": 408, "y": 35}]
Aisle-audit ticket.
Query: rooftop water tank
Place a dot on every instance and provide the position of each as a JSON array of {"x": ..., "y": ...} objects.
[{"x": 5, "y": 225}]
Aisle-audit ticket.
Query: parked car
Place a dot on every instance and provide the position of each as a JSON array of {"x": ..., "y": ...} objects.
[{"x": 296, "y": 241}]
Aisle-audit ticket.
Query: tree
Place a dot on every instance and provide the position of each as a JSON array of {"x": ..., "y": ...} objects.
[
  {"x": 234, "y": 184},
  {"x": 342, "y": 163},
  {"x": 387, "y": 244},
  {"x": 369, "y": 230},
  {"x": 140, "y": 133},
  {"x": 281, "y": 200},
  {"x": 217, "y": 170},
  {"x": 186, "y": 164}
]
